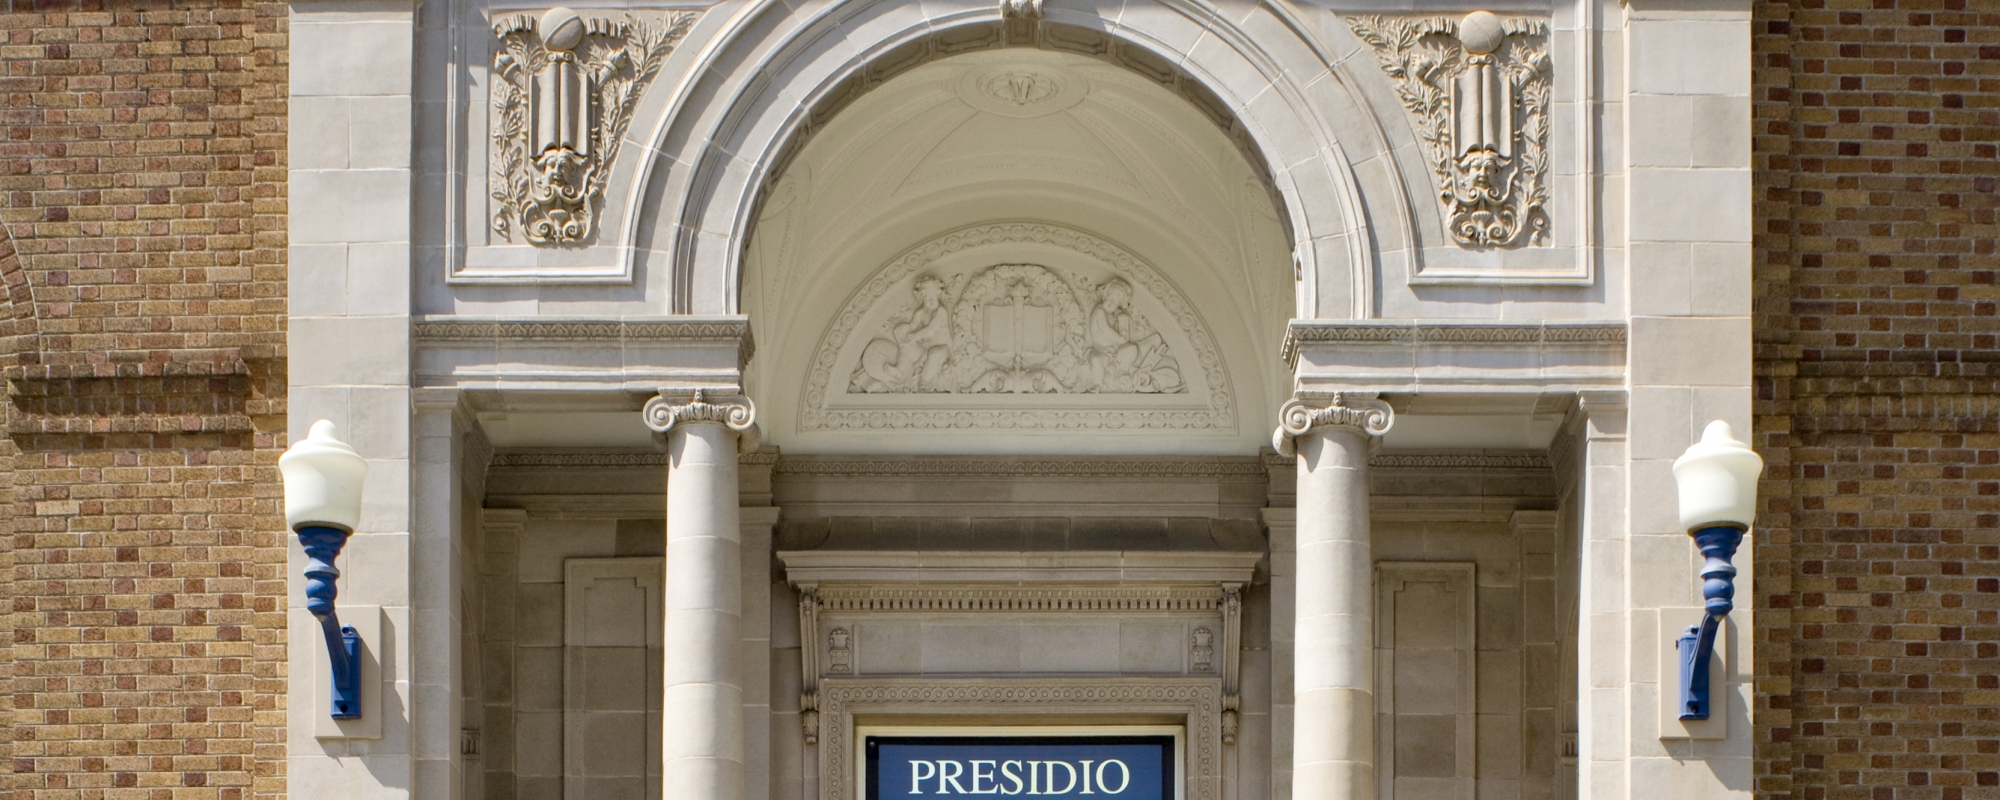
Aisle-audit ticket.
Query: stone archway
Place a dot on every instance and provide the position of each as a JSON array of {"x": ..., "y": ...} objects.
[{"x": 1309, "y": 128}]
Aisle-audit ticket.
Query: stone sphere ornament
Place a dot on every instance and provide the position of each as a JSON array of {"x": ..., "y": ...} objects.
[
  {"x": 1481, "y": 33},
  {"x": 562, "y": 29}
]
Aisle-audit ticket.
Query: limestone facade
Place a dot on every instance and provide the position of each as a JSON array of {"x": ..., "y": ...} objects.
[{"x": 740, "y": 379}]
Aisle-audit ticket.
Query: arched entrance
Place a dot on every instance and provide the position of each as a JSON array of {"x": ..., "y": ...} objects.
[
  {"x": 1342, "y": 195},
  {"x": 1039, "y": 252}
]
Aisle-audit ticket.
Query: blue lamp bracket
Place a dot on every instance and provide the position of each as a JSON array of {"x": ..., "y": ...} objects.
[
  {"x": 343, "y": 644},
  {"x": 1718, "y": 590}
]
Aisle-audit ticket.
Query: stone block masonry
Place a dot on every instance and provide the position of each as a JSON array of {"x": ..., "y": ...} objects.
[
  {"x": 1878, "y": 556},
  {"x": 142, "y": 340}
]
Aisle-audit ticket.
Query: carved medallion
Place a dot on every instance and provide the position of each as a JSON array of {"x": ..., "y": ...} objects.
[
  {"x": 1022, "y": 90},
  {"x": 563, "y": 90},
  {"x": 1479, "y": 89},
  {"x": 945, "y": 337}
]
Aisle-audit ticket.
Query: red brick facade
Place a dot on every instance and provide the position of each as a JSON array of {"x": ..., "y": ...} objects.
[
  {"x": 1878, "y": 561},
  {"x": 144, "y": 267}
]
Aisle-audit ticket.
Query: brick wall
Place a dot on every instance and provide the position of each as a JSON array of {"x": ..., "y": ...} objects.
[
  {"x": 143, "y": 209},
  {"x": 1878, "y": 558}
]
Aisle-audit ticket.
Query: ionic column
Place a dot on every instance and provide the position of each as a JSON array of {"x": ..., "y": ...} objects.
[
  {"x": 702, "y": 703},
  {"x": 1333, "y": 728}
]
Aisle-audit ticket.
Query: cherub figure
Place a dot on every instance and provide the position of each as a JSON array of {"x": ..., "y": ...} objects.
[{"x": 912, "y": 358}]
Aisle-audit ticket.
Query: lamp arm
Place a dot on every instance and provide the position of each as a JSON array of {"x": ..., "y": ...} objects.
[
  {"x": 322, "y": 545},
  {"x": 1718, "y": 590}
]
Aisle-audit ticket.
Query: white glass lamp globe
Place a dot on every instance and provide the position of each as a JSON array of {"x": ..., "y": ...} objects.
[
  {"x": 1718, "y": 480},
  {"x": 323, "y": 478}
]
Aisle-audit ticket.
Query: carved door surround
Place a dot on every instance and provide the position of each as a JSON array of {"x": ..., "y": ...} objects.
[{"x": 865, "y": 618}]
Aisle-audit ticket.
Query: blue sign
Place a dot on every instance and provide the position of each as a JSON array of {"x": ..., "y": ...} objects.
[{"x": 1101, "y": 767}]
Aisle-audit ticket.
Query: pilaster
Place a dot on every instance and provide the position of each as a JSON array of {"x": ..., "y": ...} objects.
[{"x": 349, "y": 349}]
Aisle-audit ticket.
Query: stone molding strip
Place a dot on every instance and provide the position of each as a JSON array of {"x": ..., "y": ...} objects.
[
  {"x": 1035, "y": 468},
  {"x": 1013, "y": 599},
  {"x": 692, "y": 330},
  {"x": 1031, "y": 468},
  {"x": 1454, "y": 461},
  {"x": 1301, "y": 333}
]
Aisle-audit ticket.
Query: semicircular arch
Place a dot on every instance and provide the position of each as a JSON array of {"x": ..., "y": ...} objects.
[{"x": 781, "y": 72}]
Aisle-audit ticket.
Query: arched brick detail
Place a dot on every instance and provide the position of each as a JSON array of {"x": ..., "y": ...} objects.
[{"x": 17, "y": 316}]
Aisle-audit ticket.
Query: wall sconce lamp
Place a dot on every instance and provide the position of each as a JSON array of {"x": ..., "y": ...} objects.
[
  {"x": 323, "y": 478},
  {"x": 1718, "y": 493}
]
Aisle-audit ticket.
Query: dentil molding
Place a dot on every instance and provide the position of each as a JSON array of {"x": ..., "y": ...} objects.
[
  {"x": 564, "y": 86},
  {"x": 1478, "y": 87}
]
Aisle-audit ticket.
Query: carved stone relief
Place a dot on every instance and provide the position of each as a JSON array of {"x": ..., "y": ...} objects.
[
  {"x": 1479, "y": 89},
  {"x": 564, "y": 86},
  {"x": 1093, "y": 322},
  {"x": 1019, "y": 329},
  {"x": 839, "y": 653},
  {"x": 1204, "y": 651}
]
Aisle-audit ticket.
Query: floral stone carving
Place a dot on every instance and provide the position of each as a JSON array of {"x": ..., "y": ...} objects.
[
  {"x": 563, "y": 90},
  {"x": 1479, "y": 88},
  {"x": 1020, "y": 329}
]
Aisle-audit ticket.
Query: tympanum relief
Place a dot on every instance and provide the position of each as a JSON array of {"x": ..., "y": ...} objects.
[
  {"x": 1479, "y": 89},
  {"x": 1019, "y": 329},
  {"x": 1017, "y": 325},
  {"x": 564, "y": 86}
]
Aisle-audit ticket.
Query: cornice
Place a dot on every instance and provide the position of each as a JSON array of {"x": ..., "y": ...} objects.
[
  {"x": 1246, "y": 468},
  {"x": 1018, "y": 599},
  {"x": 676, "y": 330},
  {"x": 556, "y": 460},
  {"x": 1482, "y": 461},
  {"x": 1301, "y": 333},
  {"x": 947, "y": 467}
]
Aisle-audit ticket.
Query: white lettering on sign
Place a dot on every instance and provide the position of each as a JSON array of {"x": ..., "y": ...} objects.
[{"x": 1013, "y": 777}]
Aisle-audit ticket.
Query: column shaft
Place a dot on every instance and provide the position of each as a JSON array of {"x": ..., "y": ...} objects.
[
  {"x": 702, "y": 740},
  {"x": 1333, "y": 756}
]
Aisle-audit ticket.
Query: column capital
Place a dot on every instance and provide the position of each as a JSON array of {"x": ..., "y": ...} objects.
[
  {"x": 724, "y": 407},
  {"x": 1305, "y": 411}
]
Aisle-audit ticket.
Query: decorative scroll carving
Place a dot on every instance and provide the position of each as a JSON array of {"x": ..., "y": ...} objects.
[
  {"x": 1010, "y": 331},
  {"x": 1018, "y": 329},
  {"x": 1021, "y": 9},
  {"x": 564, "y": 87},
  {"x": 1301, "y": 414},
  {"x": 1232, "y": 659},
  {"x": 737, "y": 414},
  {"x": 1479, "y": 88},
  {"x": 809, "y": 662}
]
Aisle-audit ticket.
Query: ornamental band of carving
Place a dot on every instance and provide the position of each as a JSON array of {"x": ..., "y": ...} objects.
[
  {"x": 564, "y": 86},
  {"x": 1479, "y": 89}
]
